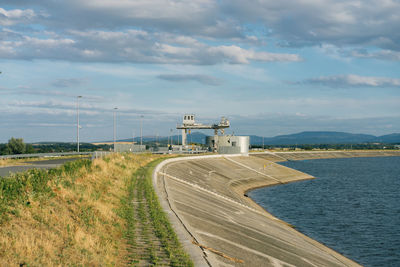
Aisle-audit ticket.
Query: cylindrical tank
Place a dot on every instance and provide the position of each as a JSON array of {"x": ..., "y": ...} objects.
[{"x": 243, "y": 143}]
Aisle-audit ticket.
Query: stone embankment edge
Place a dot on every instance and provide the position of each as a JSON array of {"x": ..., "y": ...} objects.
[
  {"x": 197, "y": 255},
  {"x": 185, "y": 237}
]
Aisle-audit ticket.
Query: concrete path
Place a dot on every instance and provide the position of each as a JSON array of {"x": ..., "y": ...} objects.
[{"x": 219, "y": 226}]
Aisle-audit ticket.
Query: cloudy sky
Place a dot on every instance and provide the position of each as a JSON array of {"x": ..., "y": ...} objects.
[{"x": 271, "y": 67}]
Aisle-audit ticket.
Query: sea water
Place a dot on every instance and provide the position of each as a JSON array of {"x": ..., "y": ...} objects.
[{"x": 353, "y": 206}]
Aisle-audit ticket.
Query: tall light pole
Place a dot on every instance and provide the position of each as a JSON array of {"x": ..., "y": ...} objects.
[
  {"x": 141, "y": 132},
  {"x": 115, "y": 127},
  {"x": 263, "y": 142},
  {"x": 77, "y": 124}
]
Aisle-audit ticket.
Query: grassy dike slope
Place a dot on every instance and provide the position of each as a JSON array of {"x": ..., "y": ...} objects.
[{"x": 84, "y": 214}]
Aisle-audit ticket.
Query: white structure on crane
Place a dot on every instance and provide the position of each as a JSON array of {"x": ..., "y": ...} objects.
[{"x": 190, "y": 123}]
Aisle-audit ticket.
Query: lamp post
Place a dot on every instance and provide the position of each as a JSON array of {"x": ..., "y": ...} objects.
[
  {"x": 77, "y": 124},
  {"x": 141, "y": 132},
  {"x": 115, "y": 128},
  {"x": 172, "y": 142},
  {"x": 263, "y": 143}
]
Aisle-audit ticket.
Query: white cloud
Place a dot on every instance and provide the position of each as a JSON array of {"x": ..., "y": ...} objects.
[
  {"x": 238, "y": 55},
  {"x": 203, "y": 79},
  {"x": 382, "y": 54},
  {"x": 14, "y": 16},
  {"x": 136, "y": 46},
  {"x": 69, "y": 82},
  {"x": 352, "y": 80},
  {"x": 185, "y": 23},
  {"x": 44, "y": 43},
  {"x": 337, "y": 22}
]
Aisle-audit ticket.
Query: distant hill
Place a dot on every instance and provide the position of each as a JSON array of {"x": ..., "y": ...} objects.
[
  {"x": 324, "y": 138},
  {"x": 389, "y": 139},
  {"x": 309, "y": 137},
  {"x": 195, "y": 137}
]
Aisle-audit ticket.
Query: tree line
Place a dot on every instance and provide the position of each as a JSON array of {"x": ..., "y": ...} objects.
[{"x": 18, "y": 146}]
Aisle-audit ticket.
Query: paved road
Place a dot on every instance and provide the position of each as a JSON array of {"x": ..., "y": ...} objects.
[{"x": 44, "y": 164}]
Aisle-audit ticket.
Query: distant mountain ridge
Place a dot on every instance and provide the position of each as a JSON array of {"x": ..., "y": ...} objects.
[
  {"x": 324, "y": 137},
  {"x": 308, "y": 137},
  {"x": 195, "y": 137}
]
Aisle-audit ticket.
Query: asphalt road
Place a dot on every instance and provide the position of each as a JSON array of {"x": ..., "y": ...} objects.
[{"x": 44, "y": 164}]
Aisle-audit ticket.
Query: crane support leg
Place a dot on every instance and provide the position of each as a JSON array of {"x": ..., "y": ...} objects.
[{"x": 184, "y": 137}]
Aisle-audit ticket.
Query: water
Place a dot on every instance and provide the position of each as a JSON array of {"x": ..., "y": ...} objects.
[{"x": 353, "y": 206}]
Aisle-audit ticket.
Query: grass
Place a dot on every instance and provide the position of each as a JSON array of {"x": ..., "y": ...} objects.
[
  {"x": 163, "y": 228},
  {"x": 68, "y": 216},
  {"x": 81, "y": 214},
  {"x": 153, "y": 223}
]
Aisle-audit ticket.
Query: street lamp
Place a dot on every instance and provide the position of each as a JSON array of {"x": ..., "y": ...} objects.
[
  {"x": 115, "y": 128},
  {"x": 141, "y": 132},
  {"x": 77, "y": 118},
  {"x": 263, "y": 143}
]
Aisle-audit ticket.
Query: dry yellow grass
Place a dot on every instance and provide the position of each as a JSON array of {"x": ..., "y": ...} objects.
[
  {"x": 11, "y": 162},
  {"x": 79, "y": 226}
]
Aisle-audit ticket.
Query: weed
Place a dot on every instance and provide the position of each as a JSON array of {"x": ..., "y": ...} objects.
[
  {"x": 148, "y": 203},
  {"x": 87, "y": 216}
]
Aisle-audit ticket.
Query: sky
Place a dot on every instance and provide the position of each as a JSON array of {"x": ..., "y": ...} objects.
[{"x": 270, "y": 67}]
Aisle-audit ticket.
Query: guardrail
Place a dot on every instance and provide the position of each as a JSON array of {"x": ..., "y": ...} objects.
[
  {"x": 100, "y": 154},
  {"x": 44, "y": 155}
]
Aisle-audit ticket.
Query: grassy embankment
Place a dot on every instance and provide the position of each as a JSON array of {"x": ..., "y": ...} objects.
[{"x": 83, "y": 214}]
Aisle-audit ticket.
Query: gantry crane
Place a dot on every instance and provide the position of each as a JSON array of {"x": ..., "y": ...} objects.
[{"x": 189, "y": 123}]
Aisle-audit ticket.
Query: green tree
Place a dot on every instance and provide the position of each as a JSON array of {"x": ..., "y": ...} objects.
[
  {"x": 16, "y": 146},
  {"x": 29, "y": 149}
]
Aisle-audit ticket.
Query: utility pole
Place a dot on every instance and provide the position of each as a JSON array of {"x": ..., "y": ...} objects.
[
  {"x": 77, "y": 124},
  {"x": 115, "y": 126},
  {"x": 141, "y": 132},
  {"x": 172, "y": 142},
  {"x": 157, "y": 139}
]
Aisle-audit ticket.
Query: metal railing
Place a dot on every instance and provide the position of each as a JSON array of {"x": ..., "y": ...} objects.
[{"x": 101, "y": 154}]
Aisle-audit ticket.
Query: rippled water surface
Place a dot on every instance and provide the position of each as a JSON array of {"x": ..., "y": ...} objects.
[{"x": 353, "y": 206}]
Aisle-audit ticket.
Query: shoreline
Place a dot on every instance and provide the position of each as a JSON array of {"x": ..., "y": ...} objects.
[
  {"x": 204, "y": 197},
  {"x": 250, "y": 187}
]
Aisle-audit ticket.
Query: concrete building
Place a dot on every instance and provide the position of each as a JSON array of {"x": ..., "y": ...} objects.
[{"x": 229, "y": 144}]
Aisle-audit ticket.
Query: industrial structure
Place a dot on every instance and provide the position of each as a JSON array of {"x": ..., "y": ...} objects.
[
  {"x": 229, "y": 144},
  {"x": 218, "y": 143},
  {"x": 189, "y": 123}
]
